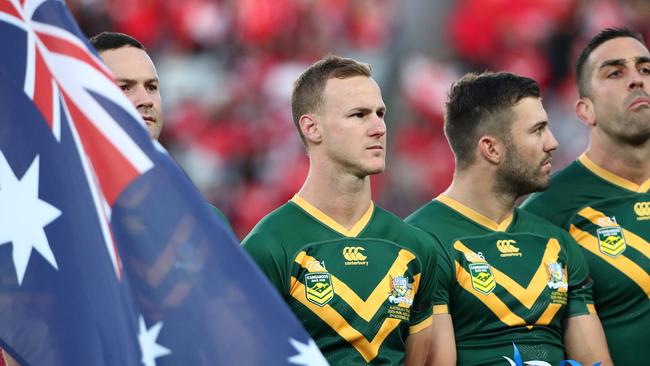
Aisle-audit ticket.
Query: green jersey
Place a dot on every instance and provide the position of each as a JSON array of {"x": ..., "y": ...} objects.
[
  {"x": 609, "y": 217},
  {"x": 505, "y": 285},
  {"x": 358, "y": 292}
]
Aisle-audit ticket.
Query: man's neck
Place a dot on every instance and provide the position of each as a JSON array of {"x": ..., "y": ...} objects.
[
  {"x": 344, "y": 198},
  {"x": 475, "y": 189},
  {"x": 629, "y": 162}
]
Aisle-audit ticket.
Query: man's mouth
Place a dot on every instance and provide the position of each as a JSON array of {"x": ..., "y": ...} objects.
[{"x": 640, "y": 102}]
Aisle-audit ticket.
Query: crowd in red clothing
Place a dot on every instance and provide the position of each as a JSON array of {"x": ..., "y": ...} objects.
[{"x": 226, "y": 70}]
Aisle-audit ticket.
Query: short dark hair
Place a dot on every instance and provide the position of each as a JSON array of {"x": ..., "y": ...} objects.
[
  {"x": 582, "y": 74},
  {"x": 482, "y": 103},
  {"x": 307, "y": 93},
  {"x": 105, "y": 41}
]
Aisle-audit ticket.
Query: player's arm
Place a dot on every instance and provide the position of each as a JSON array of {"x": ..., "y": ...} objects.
[
  {"x": 417, "y": 347},
  {"x": 584, "y": 340},
  {"x": 443, "y": 343},
  {"x": 440, "y": 346}
]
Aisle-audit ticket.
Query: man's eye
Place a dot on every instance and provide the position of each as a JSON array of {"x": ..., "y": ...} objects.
[
  {"x": 614, "y": 74},
  {"x": 152, "y": 87},
  {"x": 125, "y": 87}
]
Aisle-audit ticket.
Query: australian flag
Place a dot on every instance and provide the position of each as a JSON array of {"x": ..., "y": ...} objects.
[{"x": 108, "y": 254}]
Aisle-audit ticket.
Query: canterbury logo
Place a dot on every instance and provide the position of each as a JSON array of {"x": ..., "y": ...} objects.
[
  {"x": 354, "y": 256},
  {"x": 508, "y": 248},
  {"x": 642, "y": 210}
]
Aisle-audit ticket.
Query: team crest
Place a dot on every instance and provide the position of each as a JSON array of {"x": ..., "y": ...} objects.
[
  {"x": 611, "y": 241},
  {"x": 482, "y": 279},
  {"x": 318, "y": 288},
  {"x": 557, "y": 277},
  {"x": 401, "y": 291}
]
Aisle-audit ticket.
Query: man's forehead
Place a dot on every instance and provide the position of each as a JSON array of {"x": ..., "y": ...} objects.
[
  {"x": 530, "y": 110},
  {"x": 129, "y": 62},
  {"x": 353, "y": 90},
  {"x": 626, "y": 49}
]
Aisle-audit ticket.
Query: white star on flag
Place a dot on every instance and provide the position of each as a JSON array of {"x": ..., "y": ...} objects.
[
  {"x": 24, "y": 216},
  {"x": 147, "y": 338},
  {"x": 308, "y": 354}
]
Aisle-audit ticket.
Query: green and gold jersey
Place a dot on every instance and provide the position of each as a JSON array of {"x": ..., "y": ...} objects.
[
  {"x": 358, "y": 292},
  {"x": 610, "y": 218},
  {"x": 504, "y": 284}
]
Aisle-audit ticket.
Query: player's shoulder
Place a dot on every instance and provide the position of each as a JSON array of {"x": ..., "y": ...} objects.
[
  {"x": 532, "y": 219},
  {"x": 569, "y": 189},
  {"x": 395, "y": 224},
  {"x": 562, "y": 183},
  {"x": 536, "y": 224},
  {"x": 273, "y": 227},
  {"x": 402, "y": 232},
  {"x": 423, "y": 216}
]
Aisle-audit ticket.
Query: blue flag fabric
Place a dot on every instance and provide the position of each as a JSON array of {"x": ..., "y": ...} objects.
[{"x": 108, "y": 254}]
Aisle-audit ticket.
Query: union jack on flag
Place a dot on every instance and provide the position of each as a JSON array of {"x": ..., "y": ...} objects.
[{"x": 108, "y": 254}]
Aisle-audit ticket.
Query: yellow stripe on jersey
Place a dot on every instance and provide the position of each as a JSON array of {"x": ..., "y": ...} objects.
[
  {"x": 613, "y": 178},
  {"x": 368, "y": 350},
  {"x": 548, "y": 315},
  {"x": 368, "y": 308},
  {"x": 475, "y": 216},
  {"x": 501, "y": 310},
  {"x": 631, "y": 238},
  {"x": 632, "y": 270},
  {"x": 421, "y": 325},
  {"x": 529, "y": 294},
  {"x": 440, "y": 309},
  {"x": 330, "y": 222},
  {"x": 591, "y": 308}
]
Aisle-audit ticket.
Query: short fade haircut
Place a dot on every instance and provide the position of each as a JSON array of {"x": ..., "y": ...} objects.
[
  {"x": 307, "y": 94},
  {"x": 481, "y": 104},
  {"x": 105, "y": 41},
  {"x": 582, "y": 73}
]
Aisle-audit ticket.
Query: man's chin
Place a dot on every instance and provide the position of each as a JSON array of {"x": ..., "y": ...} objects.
[
  {"x": 374, "y": 170},
  {"x": 540, "y": 186}
]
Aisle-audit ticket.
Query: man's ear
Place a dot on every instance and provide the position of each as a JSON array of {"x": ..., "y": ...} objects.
[
  {"x": 491, "y": 149},
  {"x": 585, "y": 111},
  {"x": 310, "y": 128}
]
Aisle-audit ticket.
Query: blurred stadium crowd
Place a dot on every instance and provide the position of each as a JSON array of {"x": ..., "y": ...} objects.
[{"x": 226, "y": 69}]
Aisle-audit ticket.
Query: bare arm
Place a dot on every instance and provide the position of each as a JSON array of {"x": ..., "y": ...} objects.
[
  {"x": 443, "y": 346},
  {"x": 417, "y": 347},
  {"x": 584, "y": 340}
]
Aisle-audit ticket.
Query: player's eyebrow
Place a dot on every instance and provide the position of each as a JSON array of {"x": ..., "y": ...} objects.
[
  {"x": 642, "y": 60},
  {"x": 134, "y": 81},
  {"x": 621, "y": 61},
  {"x": 614, "y": 62}
]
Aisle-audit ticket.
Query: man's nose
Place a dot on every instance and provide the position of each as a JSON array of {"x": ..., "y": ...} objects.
[{"x": 141, "y": 98}]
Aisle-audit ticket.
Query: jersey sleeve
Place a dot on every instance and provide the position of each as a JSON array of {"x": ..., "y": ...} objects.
[
  {"x": 554, "y": 205},
  {"x": 445, "y": 267},
  {"x": 270, "y": 258},
  {"x": 580, "y": 300},
  {"x": 446, "y": 279},
  {"x": 422, "y": 304}
]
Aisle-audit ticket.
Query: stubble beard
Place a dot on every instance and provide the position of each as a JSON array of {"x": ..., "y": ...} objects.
[
  {"x": 628, "y": 127},
  {"x": 516, "y": 177}
]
